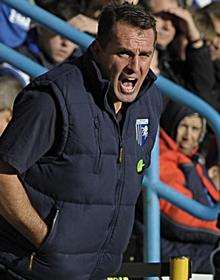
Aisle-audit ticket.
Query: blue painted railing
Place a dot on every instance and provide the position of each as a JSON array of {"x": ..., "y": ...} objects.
[
  {"x": 151, "y": 182},
  {"x": 154, "y": 187},
  {"x": 20, "y": 61}
]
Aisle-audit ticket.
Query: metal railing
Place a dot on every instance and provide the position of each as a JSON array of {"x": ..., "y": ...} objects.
[
  {"x": 151, "y": 182},
  {"x": 154, "y": 187}
]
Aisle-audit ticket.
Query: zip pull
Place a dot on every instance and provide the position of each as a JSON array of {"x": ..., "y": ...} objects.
[
  {"x": 30, "y": 266},
  {"x": 96, "y": 122},
  {"x": 55, "y": 219},
  {"x": 121, "y": 155}
]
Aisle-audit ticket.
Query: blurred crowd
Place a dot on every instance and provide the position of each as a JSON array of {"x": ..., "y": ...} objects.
[{"x": 187, "y": 53}]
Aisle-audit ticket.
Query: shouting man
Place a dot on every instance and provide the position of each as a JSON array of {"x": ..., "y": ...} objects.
[{"x": 84, "y": 133}]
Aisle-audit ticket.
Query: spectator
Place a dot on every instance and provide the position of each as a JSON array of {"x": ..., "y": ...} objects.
[
  {"x": 183, "y": 57},
  {"x": 9, "y": 88},
  {"x": 195, "y": 4},
  {"x": 214, "y": 167},
  {"x": 208, "y": 22},
  {"x": 160, "y": 5},
  {"x": 209, "y": 150},
  {"x": 81, "y": 20},
  {"x": 46, "y": 47},
  {"x": 8, "y": 71},
  {"x": 93, "y": 7},
  {"x": 14, "y": 26},
  {"x": 181, "y": 168}
]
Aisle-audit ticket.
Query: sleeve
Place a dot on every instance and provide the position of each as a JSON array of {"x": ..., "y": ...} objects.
[
  {"x": 31, "y": 131},
  {"x": 200, "y": 74}
]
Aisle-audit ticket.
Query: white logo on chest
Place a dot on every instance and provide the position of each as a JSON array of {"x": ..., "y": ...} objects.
[{"x": 141, "y": 131}]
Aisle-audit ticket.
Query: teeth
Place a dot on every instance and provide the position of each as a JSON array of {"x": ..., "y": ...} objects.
[
  {"x": 127, "y": 84},
  {"x": 127, "y": 87}
]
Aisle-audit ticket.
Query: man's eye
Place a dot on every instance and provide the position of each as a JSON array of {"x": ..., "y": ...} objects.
[
  {"x": 145, "y": 55},
  {"x": 124, "y": 55}
]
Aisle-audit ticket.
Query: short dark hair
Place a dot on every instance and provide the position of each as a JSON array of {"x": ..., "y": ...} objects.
[{"x": 134, "y": 15}]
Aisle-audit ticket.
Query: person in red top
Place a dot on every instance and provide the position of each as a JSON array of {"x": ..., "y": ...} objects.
[{"x": 182, "y": 168}]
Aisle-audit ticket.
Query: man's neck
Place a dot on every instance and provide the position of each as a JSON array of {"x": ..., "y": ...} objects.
[{"x": 117, "y": 106}]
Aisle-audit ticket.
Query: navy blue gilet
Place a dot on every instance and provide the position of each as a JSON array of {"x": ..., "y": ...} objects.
[{"x": 87, "y": 190}]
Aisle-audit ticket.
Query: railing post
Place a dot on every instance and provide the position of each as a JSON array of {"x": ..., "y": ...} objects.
[
  {"x": 152, "y": 212},
  {"x": 179, "y": 268}
]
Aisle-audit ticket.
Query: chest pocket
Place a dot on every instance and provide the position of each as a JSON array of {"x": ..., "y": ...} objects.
[{"x": 98, "y": 140}]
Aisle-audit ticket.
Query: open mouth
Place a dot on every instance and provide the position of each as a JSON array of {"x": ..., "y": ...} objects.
[{"x": 127, "y": 85}]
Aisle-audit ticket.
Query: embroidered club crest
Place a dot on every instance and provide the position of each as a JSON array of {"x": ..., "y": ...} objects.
[{"x": 141, "y": 131}]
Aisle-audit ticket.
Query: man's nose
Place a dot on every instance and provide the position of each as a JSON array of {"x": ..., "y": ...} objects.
[{"x": 133, "y": 64}]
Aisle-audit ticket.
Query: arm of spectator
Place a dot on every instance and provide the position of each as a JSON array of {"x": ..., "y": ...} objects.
[
  {"x": 192, "y": 32},
  {"x": 199, "y": 70},
  {"x": 85, "y": 24},
  {"x": 200, "y": 74},
  {"x": 174, "y": 177},
  {"x": 16, "y": 208}
]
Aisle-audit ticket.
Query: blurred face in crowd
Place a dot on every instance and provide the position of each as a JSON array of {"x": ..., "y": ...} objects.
[
  {"x": 165, "y": 30},
  {"x": 55, "y": 46},
  {"x": 135, "y": 2},
  {"x": 216, "y": 23},
  {"x": 125, "y": 60},
  {"x": 5, "y": 116},
  {"x": 214, "y": 44},
  {"x": 161, "y": 5},
  {"x": 188, "y": 134}
]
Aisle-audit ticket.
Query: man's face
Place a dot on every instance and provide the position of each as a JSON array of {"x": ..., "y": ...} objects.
[
  {"x": 126, "y": 59},
  {"x": 188, "y": 134},
  {"x": 55, "y": 46}
]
